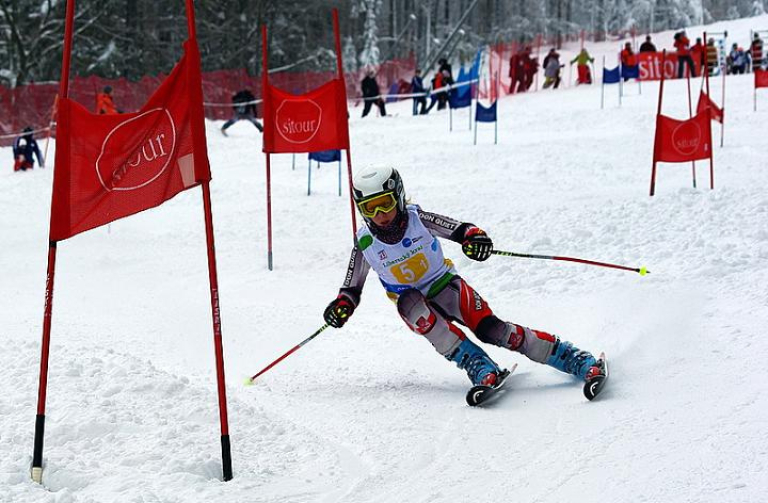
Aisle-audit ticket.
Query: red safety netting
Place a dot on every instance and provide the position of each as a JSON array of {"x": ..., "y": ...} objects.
[{"x": 32, "y": 104}]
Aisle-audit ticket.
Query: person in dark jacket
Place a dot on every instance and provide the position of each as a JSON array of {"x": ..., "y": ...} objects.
[
  {"x": 647, "y": 46},
  {"x": 371, "y": 94},
  {"x": 417, "y": 86},
  {"x": 447, "y": 71},
  {"x": 244, "y": 103},
  {"x": 23, "y": 149}
]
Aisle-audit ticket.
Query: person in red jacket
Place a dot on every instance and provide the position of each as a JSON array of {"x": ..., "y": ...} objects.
[
  {"x": 682, "y": 45},
  {"x": 531, "y": 66},
  {"x": 513, "y": 64},
  {"x": 628, "y": 57},
  {"x": 698, "y": 53},
  {"x": 104, "y": 103}
]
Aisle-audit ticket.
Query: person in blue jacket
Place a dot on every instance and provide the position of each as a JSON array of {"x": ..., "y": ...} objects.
[
  {"x": 24, "y": 147},
  {"x": 417, "y": 86}
]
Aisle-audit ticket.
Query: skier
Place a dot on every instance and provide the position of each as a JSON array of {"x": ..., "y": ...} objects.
[
  {"x": 371, "y": 94},
  {"x": 552, "y": 69},
  {"x": 399, "y": 241},
  {"x": 24, "y": 147},
  {"x": 582, "y": 60},
  {"x": 244, "y": 106}
]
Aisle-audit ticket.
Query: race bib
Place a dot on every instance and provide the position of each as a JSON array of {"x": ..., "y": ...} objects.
[{"x": 412, "y": 270}]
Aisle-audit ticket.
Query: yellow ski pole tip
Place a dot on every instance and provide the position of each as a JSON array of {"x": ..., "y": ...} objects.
[
  {"x": 643, "y": 271},
  {"x": 248, "y": 381}
]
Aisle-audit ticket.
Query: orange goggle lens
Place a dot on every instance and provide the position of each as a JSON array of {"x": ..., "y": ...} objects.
[{"x": 378, "y": 204}]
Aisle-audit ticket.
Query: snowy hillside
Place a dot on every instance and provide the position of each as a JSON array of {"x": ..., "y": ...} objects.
[{"x": 371, "y": 413}]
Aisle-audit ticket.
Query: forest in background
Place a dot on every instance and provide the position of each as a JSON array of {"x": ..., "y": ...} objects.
[{"x": 133, "y": 38}]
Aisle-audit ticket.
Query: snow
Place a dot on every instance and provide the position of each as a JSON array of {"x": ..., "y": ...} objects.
[{"x": 371, "y": 413}]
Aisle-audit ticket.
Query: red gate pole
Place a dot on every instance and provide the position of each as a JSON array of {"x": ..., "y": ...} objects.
[
  {"x": 658, "y": 113},
  {"x": 226, "y": 452},
  {"x": 690, "y": 115},
  {"x": 340, "y": 68},
  {"x": 37, "y": 453},
  {"x": 267, "y": 111}
]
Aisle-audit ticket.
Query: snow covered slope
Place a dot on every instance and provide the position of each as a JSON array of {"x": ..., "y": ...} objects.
[{"x": 371, "y": 413}]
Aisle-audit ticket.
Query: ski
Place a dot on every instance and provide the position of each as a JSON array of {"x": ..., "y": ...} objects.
[
  {"x": 594, "y": 386},
  {"x": 478, "y": 395}
]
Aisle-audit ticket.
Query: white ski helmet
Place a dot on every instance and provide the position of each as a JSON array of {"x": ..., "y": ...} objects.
[{"x": 373, "y": 182}]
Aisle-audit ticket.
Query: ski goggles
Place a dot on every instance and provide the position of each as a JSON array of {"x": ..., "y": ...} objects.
[{"x": 382, "y": 203}]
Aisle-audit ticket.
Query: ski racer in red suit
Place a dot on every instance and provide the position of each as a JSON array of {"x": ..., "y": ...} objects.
[{"x": 400, "y": 242}]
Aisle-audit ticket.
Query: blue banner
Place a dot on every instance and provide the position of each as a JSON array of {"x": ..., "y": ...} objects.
[
  {"x": 630, "y": 72},
  {"x": 474, "y": 71},
  {"x": 461, "y": 97},
  {"x": 325, "y": 156},
  {"x": 611, "y": 76},
  {"x": 483, "y": 114}
]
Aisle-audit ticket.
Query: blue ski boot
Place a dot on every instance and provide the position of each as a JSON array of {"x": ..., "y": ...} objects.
[
  {"x": 482, "y": 371},
  {"x": 569, "y": 359}
]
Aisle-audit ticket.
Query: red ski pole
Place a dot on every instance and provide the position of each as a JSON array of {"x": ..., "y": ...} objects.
[
  {"x": 250, "y": 380},
  {"x": 642, "y": 270}
]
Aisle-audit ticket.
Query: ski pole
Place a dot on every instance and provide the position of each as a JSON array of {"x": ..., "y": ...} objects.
[
  {"x": 642, "y": 270},
  {"x": 250, "y": 380}
]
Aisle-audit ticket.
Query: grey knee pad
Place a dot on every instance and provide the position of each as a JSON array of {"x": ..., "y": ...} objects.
[
  {"x": 414, "y": 310},
  {"x": 422, "y": 319}
]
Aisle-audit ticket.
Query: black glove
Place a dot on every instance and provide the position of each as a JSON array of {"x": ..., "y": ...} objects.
[
  {"x": 338, "y": 312},
  {"x": 477, "y": 245}
]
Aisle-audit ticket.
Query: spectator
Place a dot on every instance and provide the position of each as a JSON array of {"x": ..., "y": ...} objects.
[
  {"x": 446, "y": 81},
  {"x": 446, "y": 70},
  {"x": 244, "y": 104},
  {"x": 417, "y": 86},
  {"x": 531, "y": 69},
  {"x": 737, "y": 60},
  {"x": 698, "y": 53},
  {"x": 371, "y": 94},
  {"x": 514, "y": 64},
  {"x": 756, "y": 49},
  {"x": 628, "y": 58},
  {"x": 647, "y": 46},
  {"x": 552, "y": 70},
  {"x": 582, "y": 60},
  {"x": 712, "y": 58},
  {"x": 547, "y": 57},
  {"x": 104, "y": 103},
  {"x": 23, "y": 148},
  {"x": 523, "y": 63},
  {"x": 683, "y": 55},
  {"x": 437, "y": 83}
]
